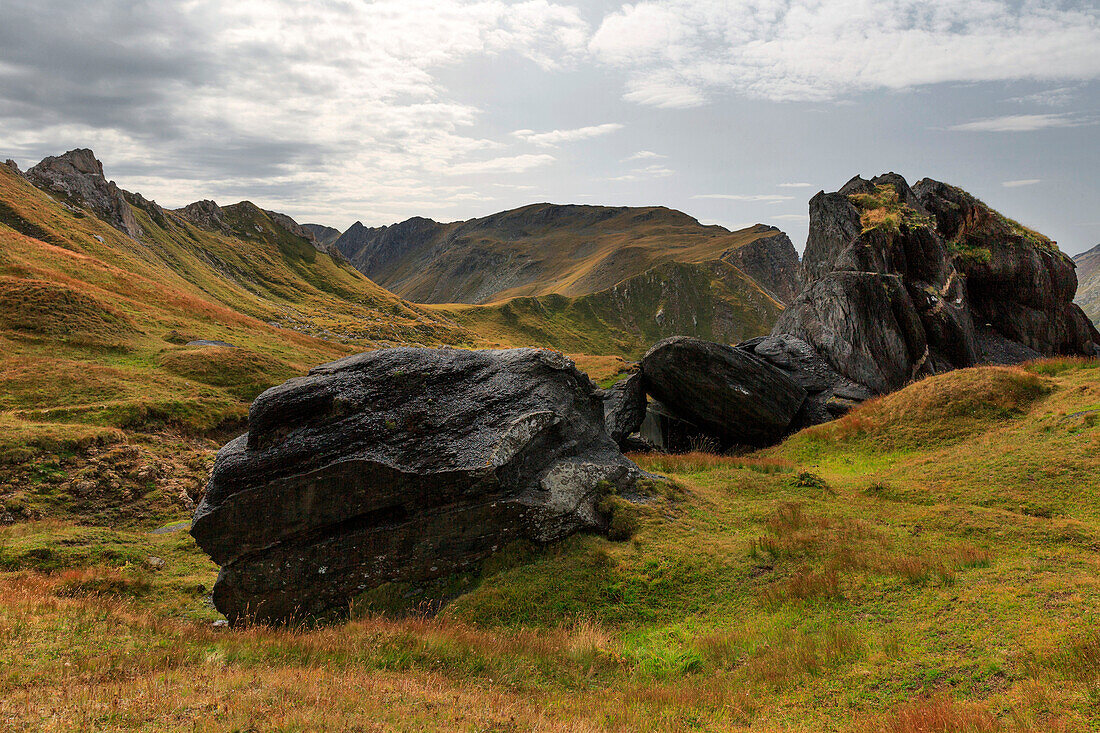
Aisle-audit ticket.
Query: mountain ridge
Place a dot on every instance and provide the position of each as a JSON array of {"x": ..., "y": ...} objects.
[
  {"x": 565, "y": 249},
  {"x": 1088, "y": 286}
]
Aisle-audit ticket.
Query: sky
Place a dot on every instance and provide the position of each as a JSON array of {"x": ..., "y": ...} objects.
[{"x": 734, "y": 111}]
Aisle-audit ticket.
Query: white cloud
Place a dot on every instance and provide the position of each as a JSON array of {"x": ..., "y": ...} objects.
[
  {"x": 678, "y": 52},
  {"x": 640, "y": 174},
  {"x": 791, "y": 217},
  {"x": 1021, "y": 123},
  {"x": 1058, "y": 97},
  {"x": 506, "y": 164},
  {"x": 773, "y": 198},
  {"x": 1021, "y": 182},
  {"x": 556, "y": 137},
  {"x": 663, "y": 92},
  {"x": 643, "y": 155},
  {"x": 794, "y": 185},
  {"x": 329, "y": 108}
]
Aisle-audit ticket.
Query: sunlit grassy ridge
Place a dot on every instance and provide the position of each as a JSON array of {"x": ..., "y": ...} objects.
[
  {"x": 1088, "y": 282},
  {"x": 713, "y": 301},
  {"x": 926, "y": 564}
]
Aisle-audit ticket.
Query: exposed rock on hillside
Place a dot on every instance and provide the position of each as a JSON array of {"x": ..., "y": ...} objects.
[
  {"x": 402, "y": 465},
  {"x": 555, "y": 249},
  {"x": 772, "y": 261},
  {"x": 901, "y": 283},
  {"x": 731, "y": 394},
  {"x": 1088, "y": 288},
  {"x": 206, "y": 214},
  {"x": 324, "y": 236},
  {"x": 78, "y": 178}
]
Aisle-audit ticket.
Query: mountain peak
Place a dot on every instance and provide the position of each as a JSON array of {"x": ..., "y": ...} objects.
[{"x": 77, "y": 176}]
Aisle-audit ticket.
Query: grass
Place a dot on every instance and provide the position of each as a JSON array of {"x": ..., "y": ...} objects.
[
  {"x": 927, "y": 563},
  {"x": 883, "y": 210}
]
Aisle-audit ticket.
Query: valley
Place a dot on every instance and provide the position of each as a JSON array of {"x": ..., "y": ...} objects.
[{"x": 921, "y": 558}]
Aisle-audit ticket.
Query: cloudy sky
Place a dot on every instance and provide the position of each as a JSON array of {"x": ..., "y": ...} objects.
[{"x": 735, "y": 111}]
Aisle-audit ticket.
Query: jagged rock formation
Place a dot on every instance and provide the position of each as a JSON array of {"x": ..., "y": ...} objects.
[
  {"x": 402, "y": 465},
  {"x": 730, "y": 394},
  {"x": 829, "y": 395},
  {"x": 77, "y": 177},
  {"x": 555, "y": 249},
  {"x": 901, "y": 283},
  {"x": 324, "y": 236},
  {"x": 206, "y": 214},
  {"x": 1088, "y": 288}
]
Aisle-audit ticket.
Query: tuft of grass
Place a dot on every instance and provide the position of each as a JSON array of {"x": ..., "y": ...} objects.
[{"x": 883, "y": 210}]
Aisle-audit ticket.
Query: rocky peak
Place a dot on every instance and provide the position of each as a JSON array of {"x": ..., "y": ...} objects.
[
  {"x": 77, "y": 176},
  {"x": 205, "y": 214},
  {"x": 900, "y": 283}
]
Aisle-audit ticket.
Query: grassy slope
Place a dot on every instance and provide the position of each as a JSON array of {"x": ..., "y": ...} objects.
[
  {"x": 92, "y": 332},
  {"x": 926, "y": 564},
  {"x": 1088, "y": 283},
  {"x": 711, "y": 300},
  {"x": 525, "y": 252}
]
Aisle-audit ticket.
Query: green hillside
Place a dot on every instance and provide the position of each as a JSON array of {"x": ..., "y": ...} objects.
[{"x": 711, "y": 300}]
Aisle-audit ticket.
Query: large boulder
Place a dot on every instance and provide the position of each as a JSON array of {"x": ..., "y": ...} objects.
[
  {"x": 732, "y": 395},
  {"x": 402, "y": 465}
]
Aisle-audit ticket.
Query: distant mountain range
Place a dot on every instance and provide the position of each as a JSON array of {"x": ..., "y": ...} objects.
[
  {"x": 570, "y": 250},
  {"x": 1088, "y": 283}
]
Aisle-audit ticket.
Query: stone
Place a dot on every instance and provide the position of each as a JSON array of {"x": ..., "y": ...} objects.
[
  {"x": 624, "y": 407},
  {"x": 829, "y": 394},
  {"x": 901, "y": 283},
  {"x": 730, "y": 394},
  {"x": 154, "y": 562},
  {"x": 402, "y": 465}
]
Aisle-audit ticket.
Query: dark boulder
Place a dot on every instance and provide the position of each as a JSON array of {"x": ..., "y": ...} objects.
[
  {"x": 730, "y": 394},
  {"x": 829, "y": 394},
  {"x": 402, "y": 465},
  {"x": 624, "y": 406}
]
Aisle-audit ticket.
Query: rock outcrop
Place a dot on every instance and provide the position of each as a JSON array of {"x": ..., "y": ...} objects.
[
  {"x": 402, "y": 465},
  {"x": 900, "y": 283},
  {"x": 324, "y": 237},
  {"x": 829, "y": 395},
  {"x": 78, "y": 178},
  {"x": 731, "y": 394}
]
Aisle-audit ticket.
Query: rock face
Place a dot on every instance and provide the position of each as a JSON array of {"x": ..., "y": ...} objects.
[
  {"x": 730, "y": 394},
  {"x": 900, "y": 283},
  {"x": 402, "y": 465},
  {"x": 324, "y": 237},
  {"x": 624, "y": 406},
  {"x": 78, "y": 177},
  {"x": 828, "y": 394},
  {"x": 770, "y": 260},
  {"x": 1088, "y": 287}
]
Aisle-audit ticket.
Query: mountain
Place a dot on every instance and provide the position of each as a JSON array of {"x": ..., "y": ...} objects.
[
  {"x": 120, "y": 318},
  {"x": 545, "y": 249},
  {"x": 1088, "y": 283},
  {"x": 322, "y": 234}
]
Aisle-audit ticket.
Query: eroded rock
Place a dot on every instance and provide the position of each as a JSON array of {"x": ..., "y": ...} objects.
[
  {"x": 402, "y": 465},
  {"x": 731, "y": 394}
]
